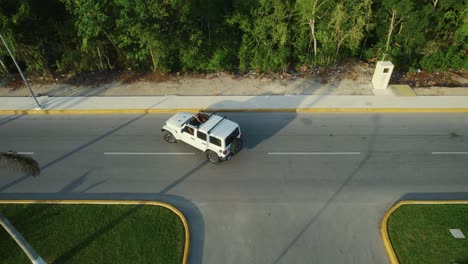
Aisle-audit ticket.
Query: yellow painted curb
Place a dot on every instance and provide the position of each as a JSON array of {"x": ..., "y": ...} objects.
[
  {"x": 175, "y": 110},
  {"x": 165, "y": 205},
  {"x": 382, "y": 110},
  {"x": 384, "y": 228}
]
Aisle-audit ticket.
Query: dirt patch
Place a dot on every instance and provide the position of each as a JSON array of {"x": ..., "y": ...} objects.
[
  {"x": 348, "y": 78},
  {"x": 451, "y": 78}
]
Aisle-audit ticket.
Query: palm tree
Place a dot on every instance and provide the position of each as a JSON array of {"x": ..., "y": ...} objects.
[
  {"x": 18, "y": 162},
  {"x": 25, "y": 164}
]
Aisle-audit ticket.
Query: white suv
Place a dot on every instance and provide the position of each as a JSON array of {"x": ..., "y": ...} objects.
[{"x": 217, "y": 136}]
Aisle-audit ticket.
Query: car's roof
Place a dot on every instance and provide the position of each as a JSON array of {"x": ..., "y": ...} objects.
[{"x": 218, "y": 126}]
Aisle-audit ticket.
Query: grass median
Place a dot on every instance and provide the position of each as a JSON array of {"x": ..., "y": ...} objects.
[
  {"x": 419, "y": 233},
  {"x": 94, "y": 233}
]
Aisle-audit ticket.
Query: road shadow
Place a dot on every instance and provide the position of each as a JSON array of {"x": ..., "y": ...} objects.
[
  {"x": 65, "y": 95},
  {"x": 69, "y": 192},
  {"x": 336, "y": 193},
  {"x": 436, "y": 196},
  {"x": 250, "y": 128},
  {"x": 254, "y": 135},
  {"x": 72, "y": 152},
  {"x": 71, "y": 100},
  {"x": 83, "y": 146},
  {"x": 287, "y": 106},
  {"x": 9, "y": 119}
]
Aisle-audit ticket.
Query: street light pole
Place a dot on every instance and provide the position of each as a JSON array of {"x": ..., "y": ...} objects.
[{"x": 19, "y": 69}]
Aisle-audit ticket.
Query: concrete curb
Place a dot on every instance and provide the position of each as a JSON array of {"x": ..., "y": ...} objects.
[
  {"x": 194, "y": 110},
  {"x": 384, "y": 228},
  {"x": 132, "y": 202}
]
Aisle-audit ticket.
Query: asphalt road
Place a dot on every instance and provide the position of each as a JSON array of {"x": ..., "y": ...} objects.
[{"x": 307, "y": 188}]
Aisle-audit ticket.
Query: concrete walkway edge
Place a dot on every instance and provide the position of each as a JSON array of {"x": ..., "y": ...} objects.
[{"x": 287, "y": 103}]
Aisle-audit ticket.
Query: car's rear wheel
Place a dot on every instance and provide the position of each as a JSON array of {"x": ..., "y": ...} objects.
[
  {"x": 212, "y": 157},
  {"x": 169, "y": 137},
  {"x": 236, "y": 145}
]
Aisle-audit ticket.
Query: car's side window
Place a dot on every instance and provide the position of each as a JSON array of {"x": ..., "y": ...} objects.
[
  {"x": 188, "y": 130},
  {"x": 232, "y": 136},
  {"x": 215, "y": 141},
  {"x": 201, "y": 135}
]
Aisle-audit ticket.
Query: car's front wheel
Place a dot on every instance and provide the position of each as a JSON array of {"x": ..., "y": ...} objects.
[
  {"x": 169, "y": 137},
  {"x": 212, "y": 157}
]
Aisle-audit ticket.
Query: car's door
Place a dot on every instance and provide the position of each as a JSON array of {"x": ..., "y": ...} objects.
[
  {"x": 193, "y": 137},
  {"x": 201, "y": 140},
  {"x": 188, "y": 135}
]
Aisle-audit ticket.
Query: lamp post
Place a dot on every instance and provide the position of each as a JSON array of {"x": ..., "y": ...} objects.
[{"x": 19, "y": 69}]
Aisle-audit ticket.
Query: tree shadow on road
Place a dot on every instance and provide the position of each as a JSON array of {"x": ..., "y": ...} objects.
[
  {"x": 253, "y": 133},
  {"x": 9, "y": 119},
  {"x": 193, "y": 215},
  {"x": 79, "y": 148},
  {"x": 254, "y": 136},
  {"x": 72, "y": 152},
  {"x": 336, "y": 193},
  {"x": 436, "y": 196}
]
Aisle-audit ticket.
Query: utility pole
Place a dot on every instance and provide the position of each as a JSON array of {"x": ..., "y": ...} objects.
[{"x": 19, "y": 69}]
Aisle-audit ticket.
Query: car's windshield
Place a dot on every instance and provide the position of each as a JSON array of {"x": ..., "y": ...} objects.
[{"x": 232, "y": 136}]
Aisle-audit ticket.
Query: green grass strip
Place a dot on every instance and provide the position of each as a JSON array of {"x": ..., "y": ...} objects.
[
  {"x": 94, "y": 233},
  {"x": 420, "y": 233}
]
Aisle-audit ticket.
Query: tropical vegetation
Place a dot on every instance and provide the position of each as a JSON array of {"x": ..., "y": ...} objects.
[{"x": 70, "y": 36}]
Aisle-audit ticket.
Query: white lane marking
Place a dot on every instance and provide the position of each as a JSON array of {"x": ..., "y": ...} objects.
[
  {"x": 26, "y": 153},
  {"x": 148, "y": 153},
  {"x": 314, "y": 153},
  {"x": 449, "y": 153}
]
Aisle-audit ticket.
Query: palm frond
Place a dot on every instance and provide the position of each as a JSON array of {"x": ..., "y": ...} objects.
[{"x": 19, "y": 162}]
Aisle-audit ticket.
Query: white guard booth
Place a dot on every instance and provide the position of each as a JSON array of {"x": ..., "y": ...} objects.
[{"x": 383, "y": 72}]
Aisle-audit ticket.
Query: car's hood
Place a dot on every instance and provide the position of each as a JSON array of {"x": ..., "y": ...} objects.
[{"x": 178, "y": 119}]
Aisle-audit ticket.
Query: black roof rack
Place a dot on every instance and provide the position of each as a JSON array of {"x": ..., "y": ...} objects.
[
  {"x": 187, "y": 121},
  {"x": 208, "y": 132}
]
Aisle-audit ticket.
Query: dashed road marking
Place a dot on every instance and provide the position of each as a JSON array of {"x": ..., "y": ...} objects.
[
  {"x": 26, "y": 153},
  {"x": 314, "y": 153},
  {"x": 450, "y": 153},
  {"x": 148, "y": 153}
]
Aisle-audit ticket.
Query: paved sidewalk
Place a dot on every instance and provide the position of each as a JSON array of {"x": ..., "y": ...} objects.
[
  {"x": 227, "y": 94},
  {"x": 318, "y": 103}
]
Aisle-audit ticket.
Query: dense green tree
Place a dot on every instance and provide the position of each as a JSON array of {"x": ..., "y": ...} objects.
[
  {"x": 63, "y": 36},
  {"x": 400, "y": 30},
  {"x": 152, "y": 32},
  {"x": 348, "y": 23},
  {"x": 310, "y": 14},
  {"x": 266, "y": 28},
  {"x": 214, "y": 43},
  {"x": 37, "y": 33},
  {"x": 447, "y": 36},
  {"x": 94, "y": 22}
]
